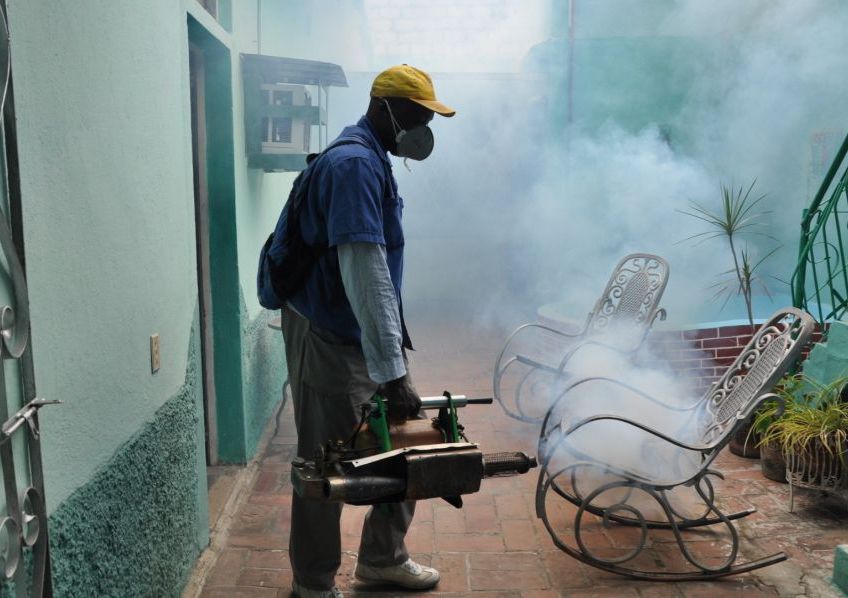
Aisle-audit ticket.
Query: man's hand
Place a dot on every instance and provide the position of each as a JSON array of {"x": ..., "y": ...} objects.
[{"x": 403, "y": 400}]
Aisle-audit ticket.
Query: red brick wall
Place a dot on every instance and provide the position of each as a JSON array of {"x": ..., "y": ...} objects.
[
  {"x": 703, "y": 354},
  {"x": 699, "y": 355}
]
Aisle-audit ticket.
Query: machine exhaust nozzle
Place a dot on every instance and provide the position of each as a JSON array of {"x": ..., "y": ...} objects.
[{"x": 510, "y": 463}]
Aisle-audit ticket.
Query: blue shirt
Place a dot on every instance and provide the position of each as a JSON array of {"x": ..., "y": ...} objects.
[{"x": 352, "y": 198}]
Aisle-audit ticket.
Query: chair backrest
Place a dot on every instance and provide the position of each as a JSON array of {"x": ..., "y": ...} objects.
[
  {"x": 767, "y": 357},
  {"x": 630, "y": 300}
]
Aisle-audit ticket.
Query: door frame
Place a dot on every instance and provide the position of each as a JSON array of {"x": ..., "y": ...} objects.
[
  {"x": 197, "y": 86},
  {"x": 220, "y": 231}
]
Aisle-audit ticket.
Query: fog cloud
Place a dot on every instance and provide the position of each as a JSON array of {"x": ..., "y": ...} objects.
[{"x": 521, "y": 205}]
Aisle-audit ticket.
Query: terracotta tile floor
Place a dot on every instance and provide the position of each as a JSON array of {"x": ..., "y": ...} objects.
[{"x": 495, "y": 546}]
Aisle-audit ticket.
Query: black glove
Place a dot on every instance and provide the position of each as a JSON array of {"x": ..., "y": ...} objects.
[{"x": 402, "y": 398}]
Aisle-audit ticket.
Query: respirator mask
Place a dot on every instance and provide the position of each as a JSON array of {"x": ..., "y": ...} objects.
[{"x": 415, "y": 143}]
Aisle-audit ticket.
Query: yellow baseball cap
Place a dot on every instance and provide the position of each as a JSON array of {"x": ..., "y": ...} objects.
[{"x": 404, "y": 81}]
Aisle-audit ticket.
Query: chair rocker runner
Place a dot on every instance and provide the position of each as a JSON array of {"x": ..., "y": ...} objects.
[
  {"x": 620, "y": 320},
  {"x": 616, "y": 491}
]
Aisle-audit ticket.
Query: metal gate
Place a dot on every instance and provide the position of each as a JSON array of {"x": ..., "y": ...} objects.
[
  {"x": 820, "y": 280},
  {"x": 24, "y": 554}
]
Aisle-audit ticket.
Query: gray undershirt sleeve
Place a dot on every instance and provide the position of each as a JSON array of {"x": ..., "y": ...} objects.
[{"x": 369, "y": 289}]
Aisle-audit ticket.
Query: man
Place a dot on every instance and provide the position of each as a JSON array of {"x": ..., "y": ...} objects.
[{"x": 344, "y": 330}]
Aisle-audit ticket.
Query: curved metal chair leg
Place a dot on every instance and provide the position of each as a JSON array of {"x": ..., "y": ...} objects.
[
  {"x": 517, "y": 412},
  {"x": 516, "y": 409},
  {"x": 502, "y": 364},
  {"x": 681, "y": 523},
  {"x": 615, "y": 565}
]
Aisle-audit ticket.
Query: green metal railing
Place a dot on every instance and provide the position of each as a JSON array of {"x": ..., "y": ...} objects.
[{"x": 820, "y": 280}]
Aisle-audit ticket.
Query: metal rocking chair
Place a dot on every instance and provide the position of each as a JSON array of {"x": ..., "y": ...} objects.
[
  {"x": 620, "y": 320},
  {"x": 618, "y": 492}
]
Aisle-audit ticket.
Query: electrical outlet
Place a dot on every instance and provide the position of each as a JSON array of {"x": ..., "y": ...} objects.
[{"x": 154, "y": 353}]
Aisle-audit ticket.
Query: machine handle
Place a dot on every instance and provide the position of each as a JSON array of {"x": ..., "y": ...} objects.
[{"x": 458, "y": 401}]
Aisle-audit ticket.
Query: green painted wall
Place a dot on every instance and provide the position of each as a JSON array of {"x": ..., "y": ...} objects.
[
  {"x": 259, "y": 198},
  {"x": 131, "y": 529},
  {"x": 244, "y": 206},
  {"x": 828, "y": 361},
  {"x": 635, "y": 81},
  {"x": 263, "y": 364},
  {"x": 327, "y": 30},
  {"x": 224, "y": 280},
  {"x": 261, "y": 195},
  {"x": 101, "y": 91},
  {"x": 103, "y": 116}
]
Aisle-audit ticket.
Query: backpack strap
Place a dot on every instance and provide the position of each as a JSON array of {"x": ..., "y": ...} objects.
[
  {"x": 300, "y": 191},
  {"x": 303, "y": 179},
  {"x": 286, "y": 276}
]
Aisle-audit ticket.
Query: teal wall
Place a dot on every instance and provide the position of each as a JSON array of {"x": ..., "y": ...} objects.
[
  {"x": 101, "y": 91},
  {"x": 244, "y": 206},
  {"x": 223, "y": 275},
  {"x": 636, "y": 81},
  {"x": 623, "y": 65},
  {"x": 327, "y": 30},
  {"x": 261, "y": 195},
  {"x": 263, "y": 364},
  {"x": 131, "y": 529},
  {"x": 104, "y": 135},
  {"x": 828, "y": 361}
]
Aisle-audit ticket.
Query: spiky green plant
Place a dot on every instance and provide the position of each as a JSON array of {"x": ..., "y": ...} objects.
[
  {"x": 737, "y": 216},
  {"x": 743, "y": 281},
  {"x": 789, "y": 390},
  {"x": 810, "y": 416}
]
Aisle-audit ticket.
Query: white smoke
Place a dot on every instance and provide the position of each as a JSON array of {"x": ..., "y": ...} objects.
[
  {"x": 518, "y": 208},
  {"x": 544, "y": 222}
]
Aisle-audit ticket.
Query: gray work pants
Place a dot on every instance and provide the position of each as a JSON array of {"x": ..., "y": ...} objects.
[{"x": 329, "y": 381}]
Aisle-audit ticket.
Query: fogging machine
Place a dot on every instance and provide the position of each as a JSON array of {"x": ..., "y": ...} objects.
[{"x": 418, "y": 459}]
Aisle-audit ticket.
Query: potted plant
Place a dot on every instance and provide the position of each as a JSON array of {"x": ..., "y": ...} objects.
[
  {"x": 737, "y": 216},
  {"x": 811, "y": 432},
  {"x": 772, "y": 461}
]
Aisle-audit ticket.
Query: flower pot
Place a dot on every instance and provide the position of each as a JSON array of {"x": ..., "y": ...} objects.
[
  {"x": 772, "y": 462},
  {"x": 742, "y": 446}
]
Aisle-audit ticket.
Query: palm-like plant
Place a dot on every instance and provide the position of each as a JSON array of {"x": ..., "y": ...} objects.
[{"x": 737, "y": 216}]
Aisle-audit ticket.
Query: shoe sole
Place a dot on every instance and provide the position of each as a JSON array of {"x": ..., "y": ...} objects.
[{"x": 390, "y": 582}]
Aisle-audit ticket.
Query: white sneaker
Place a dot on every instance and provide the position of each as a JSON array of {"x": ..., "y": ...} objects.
[
  {"x": 409, "y": 575},
  {"x": 302, "y": 592}
]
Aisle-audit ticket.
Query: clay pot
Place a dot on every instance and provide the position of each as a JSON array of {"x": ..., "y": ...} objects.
[
  {"x": 772, "y": 462},
  {"x": 738, "y": 445}
]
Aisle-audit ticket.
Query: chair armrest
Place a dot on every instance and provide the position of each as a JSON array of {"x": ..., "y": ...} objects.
[
  {"x": 639, "y": 393},
  {"x": 549, "y": 329},
  {"x": 755, "y": 404},
  {"x": 584, "y": 343},
  {"x": 533, "y": 325},
  {"x": 625, "y": 386},
  {"x": 606, "y": 417}
]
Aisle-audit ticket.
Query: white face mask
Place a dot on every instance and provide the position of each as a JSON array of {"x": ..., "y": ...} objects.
[{"x": 415, "y": 143}]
